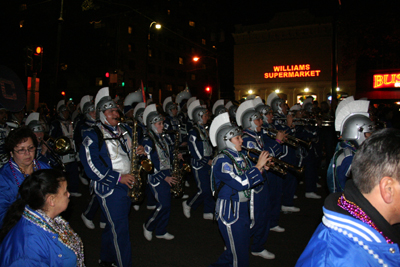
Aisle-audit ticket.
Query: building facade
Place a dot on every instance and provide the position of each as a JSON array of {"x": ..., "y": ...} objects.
[{"x": 292, "y": 55}]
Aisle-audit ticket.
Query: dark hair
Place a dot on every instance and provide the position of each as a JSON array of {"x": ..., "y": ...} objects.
[
  {"x": 377, "y": 157},
  {"x": 18, "y": 136},
  {"x": 32, "y": 192}
]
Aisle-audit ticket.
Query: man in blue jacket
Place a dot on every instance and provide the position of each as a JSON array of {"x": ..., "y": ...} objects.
[{"x": 358, "y": 224}]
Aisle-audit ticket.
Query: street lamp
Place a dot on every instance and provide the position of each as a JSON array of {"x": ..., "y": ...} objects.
[
  {"x": 157, "y": 26},
  {"x": 197, "y": 58}
]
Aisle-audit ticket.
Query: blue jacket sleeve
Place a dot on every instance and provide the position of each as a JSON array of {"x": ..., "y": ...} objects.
[{"x": 96, "y": 161}]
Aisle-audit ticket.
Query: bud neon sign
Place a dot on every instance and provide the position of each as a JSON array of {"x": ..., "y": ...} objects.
[
  {"x": 386, "y": 80},
  {"x": 292, "y": 71}
]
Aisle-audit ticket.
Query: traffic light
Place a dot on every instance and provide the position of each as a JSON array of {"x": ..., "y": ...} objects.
[
  {"x": 37, "y": 59},
  {"x": 29, "y": 59},
  {"x": 38, "y": 50},
  {"x": 208, "y": 89},
  {"x": 107, "y": 75},
  {"x": 123, "y": 84},
  {"x": 63, "y": 93}
]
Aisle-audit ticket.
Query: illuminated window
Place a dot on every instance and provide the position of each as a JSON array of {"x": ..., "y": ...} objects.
[
  {"x": 129, "y": 48},
  {"x": 193, "y": 77},
  {"x": 149, "y": 53},
  {"x": 168, "y": 87},
  {"x": 169, "y": 12},
  {"x": 203, "y": 41},
  {"x": 129, "y": 30},
  {"x": 21, "y": 23},
  {"x": 191, "y": 23},
  {"x": 99, "y": 81},
  {"x": 214, "y": 47},
  {"x": 180, "y": 61},
  {"x": 22, "y": 7},
  {"x": 193, "y": 50}
]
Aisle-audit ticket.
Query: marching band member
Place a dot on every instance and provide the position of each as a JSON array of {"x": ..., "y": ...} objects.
[
  {"x": 142, "y": 133},
  {"x": 275, "y": 180},
  {"x": 219, "y": 107},
  {"x": 106, "y": 156},
  {"x": 160, "y": 154},
  {"x": 189, "y": 123},
  {"x": 43, "y": 152},
  {"x": 353, "y": 122},
  {"x": 289, "y": 154},
  {"x": 233, "y": 177},
  {"x": 171, "y": 122},
  {"x": 63, "y": 126},
  {"x": 88, "y": 120},
  {"x": 138, "y": 116},
  {"x": 311, "y": 155},
  {"x": 201, "y": 152},
  {"x": 232, "y": 108},
  {"x": 130, "y": 102},
  {"x": 181, "y": 101},
  {"x": 251, "y": 122}
]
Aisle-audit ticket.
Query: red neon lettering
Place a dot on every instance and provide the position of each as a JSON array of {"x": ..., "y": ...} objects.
[
  {"x": 281, "y": 74},
  {"x": 317, "y": 72},
  {"x": 307, "y": 66},
  {"x": 378, "y": 81},
  {"x": 301, "y": 73},
  {"x": 275, "y": 74},
  {"x": 302, "y": 67},
  {"x": 276, "y": 68}
]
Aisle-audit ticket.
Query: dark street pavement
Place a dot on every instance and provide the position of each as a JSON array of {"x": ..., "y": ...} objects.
[{"x": 197, "y": 241}]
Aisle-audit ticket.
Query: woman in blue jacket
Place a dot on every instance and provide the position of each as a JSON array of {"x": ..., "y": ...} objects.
[
  {"x": 21, "y": 145},
  {"x": 33, "y": 233}
]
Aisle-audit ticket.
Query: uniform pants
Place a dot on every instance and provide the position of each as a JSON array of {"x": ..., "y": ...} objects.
[
  {"x": 204, "y": 194},
  {"x": 275, "y": 195},
  {"x": 260, "y": 229},
  {"x": 92, "y": 208},
  {"x": 289, "y": 188},
  {"x": 235, "y": 230},
  {"x": 158, "y": 220},
  {"x": 115, "y": 241}
]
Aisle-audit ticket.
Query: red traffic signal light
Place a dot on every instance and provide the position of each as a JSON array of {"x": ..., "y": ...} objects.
[
  {"x": 63, "y": 93},
  {"x": 107, "y": 75},
  {"x": 38, "y": 50},
  {"x": 208, "y": 89}
]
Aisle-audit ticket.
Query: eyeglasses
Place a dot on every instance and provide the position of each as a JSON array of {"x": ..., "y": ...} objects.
[{"x": 23, "y": 151}]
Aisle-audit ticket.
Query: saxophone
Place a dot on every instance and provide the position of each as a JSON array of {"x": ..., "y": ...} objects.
[
  {"x": 178, "y": 173},
  {"x": 138, "y": 169}
]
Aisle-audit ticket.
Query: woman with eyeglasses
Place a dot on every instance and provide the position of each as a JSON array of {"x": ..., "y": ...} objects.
[{"x": 21, "y": 145}]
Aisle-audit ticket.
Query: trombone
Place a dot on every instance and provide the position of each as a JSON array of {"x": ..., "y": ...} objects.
[
  {"x": 53, "y": 153},
  {"x": 290, "y": 140},
  {"x": 279, "y": 165}
]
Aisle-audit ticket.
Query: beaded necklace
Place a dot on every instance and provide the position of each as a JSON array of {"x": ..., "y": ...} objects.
[
  {"x": 358, "y": 213},
  {"x": 239, "y": 169},
  {"x": 35, "y": 168},
  {"x": 60, "y": 227}
]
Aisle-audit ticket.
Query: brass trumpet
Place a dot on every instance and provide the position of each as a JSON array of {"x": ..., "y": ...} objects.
[
  {"x": 279, "y": 165},
  {"x": 290, "y": 140}
]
